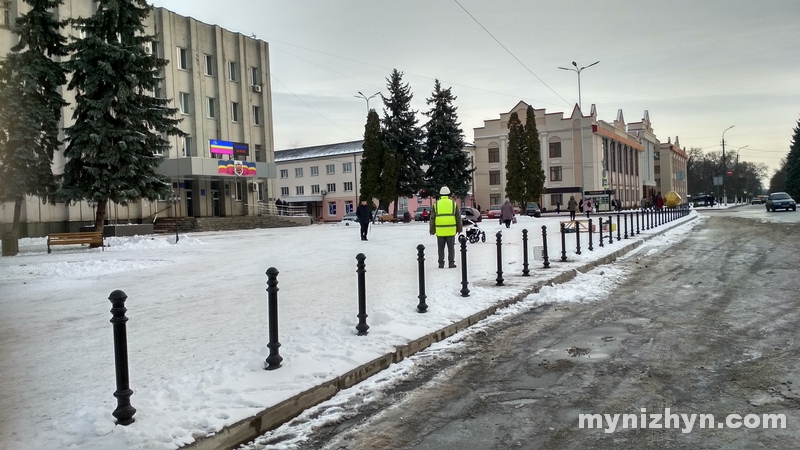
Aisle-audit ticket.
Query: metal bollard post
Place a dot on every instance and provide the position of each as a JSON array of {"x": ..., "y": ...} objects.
[
  {"x": 422, "y": 307},
  {"x": 525, "y": 271},
  {"x": 545, "y": 258},
  {"x": 563, "y": 243},
  {"x": 499, "y": 236},
  {"x": 362, "y": 326},
  {"x": 578, "y": 237},
  {"x": 619, "y": 229},
  {"x": 590, "y": 236},
  {"x": 124, "y": 412},
  {"x": 600, "y": 226},
  {"x": 464, "y": 289},
  {"x": 638, "y": 213},
  {"x": 625, "y": 220},
  {"x": 610, "y": 231},
  {"x": 274, "y": 359}
]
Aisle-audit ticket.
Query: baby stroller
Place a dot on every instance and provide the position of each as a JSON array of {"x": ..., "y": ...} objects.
[{"x": 474, "y": 233}]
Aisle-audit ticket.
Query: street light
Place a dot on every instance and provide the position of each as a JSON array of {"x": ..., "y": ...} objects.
[
  {"x": 724, "y": 169},
  {"x": 578, "y": 71},
  {"x": 361, "y": 95}
]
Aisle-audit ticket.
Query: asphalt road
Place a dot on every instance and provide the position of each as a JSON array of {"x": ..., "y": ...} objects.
[{"x": 706, "y": 326}]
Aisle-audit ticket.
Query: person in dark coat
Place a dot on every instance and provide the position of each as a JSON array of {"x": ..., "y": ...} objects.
[
  {"x": 572, "y": 205},
  {"x": 507, "y": 213},
  {"x": 364, "y": 216}
]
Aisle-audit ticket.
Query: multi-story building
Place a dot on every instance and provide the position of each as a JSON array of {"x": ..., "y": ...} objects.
[
  {"x": 218, "y": 80},
  {"x": 670, "y": 168},
  {"x": 650, "y": 145}
]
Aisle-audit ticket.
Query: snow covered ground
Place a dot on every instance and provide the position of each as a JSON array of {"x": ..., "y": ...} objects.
[{"x": 198, "y": 322}]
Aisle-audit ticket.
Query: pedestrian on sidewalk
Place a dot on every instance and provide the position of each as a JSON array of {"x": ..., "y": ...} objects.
[
  {"x": 364, "y": 216},
  {"x": 507, "y": 214},
  {"x": 572, "y": 206}
]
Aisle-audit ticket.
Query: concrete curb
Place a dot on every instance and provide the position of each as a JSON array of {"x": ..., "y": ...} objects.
[{"x": 249, "y": 429}]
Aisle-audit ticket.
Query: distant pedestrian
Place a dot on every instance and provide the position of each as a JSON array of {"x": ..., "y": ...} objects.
[
  {"x": 580, "y": 205},
  {"x": 643, "y": 202},
  {"x": 445, "y": 223},
  {"x": 558, "y": 208},
  {"x": 507, "y": 213},
  {"x": 364, "y": 216},
  {"x": 659, "y": 202},
  {"x": 572, "y": 205}
]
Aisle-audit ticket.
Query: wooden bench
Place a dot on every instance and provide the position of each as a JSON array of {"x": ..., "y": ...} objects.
[
  {"x": 87, "y": 237},
  {"x": 569, "y": 225}
]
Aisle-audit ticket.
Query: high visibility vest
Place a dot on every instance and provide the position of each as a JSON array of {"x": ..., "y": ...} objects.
[{"x": 445, "y": 221}]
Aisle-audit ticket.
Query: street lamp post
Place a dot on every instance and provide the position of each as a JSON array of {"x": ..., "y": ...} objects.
[
  {"x": 578, "y": 70},
  {"x": 361, "y": 95},
  {"x": 724, "y": 169}
]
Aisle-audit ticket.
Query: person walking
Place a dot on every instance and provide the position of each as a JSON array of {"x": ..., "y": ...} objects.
[
  {"x": 507, "y": 213},
  {"x": 572, "y": 206},
  {"x": 445, "y": 223},
  {"x": 643, "y": 202},
  {"x": 364, "y": 216},
  {"x": 558, "y": 208}
]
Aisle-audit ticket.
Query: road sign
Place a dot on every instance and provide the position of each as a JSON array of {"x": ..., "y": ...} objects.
[{"x": 730, "y": 173}]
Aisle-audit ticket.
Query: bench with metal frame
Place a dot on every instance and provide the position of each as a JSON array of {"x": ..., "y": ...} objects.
[{"x": 86, "y": 237}]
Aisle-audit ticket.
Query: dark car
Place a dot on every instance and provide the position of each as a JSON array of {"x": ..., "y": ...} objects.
[
  {"x": 470, "y": 214},
  {"x": 780, "y": 200},
  {"x": 532, "y": 209}
]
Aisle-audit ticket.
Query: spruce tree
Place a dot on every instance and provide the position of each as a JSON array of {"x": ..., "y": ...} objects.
[
  {"x": 532, "y": 174},
  {"x": 30, "y": 107},
  {"x": 515, "y": 186},
  {"x": 792, "y": 166},
  {"x": 119, "y": 129},
  {"x": 443, "y": 151},
  {"x": 402, "y": 142},
  {"x": 372, "y": 158}
]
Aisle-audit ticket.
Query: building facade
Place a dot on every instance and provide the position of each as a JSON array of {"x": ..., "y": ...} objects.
[
  {"x": 670, "y": 165},
  {"x": 219, "y": 81}
]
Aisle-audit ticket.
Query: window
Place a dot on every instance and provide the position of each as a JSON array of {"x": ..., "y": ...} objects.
[
  {"x": 494, "y": 199},
  {"x": 348, "y": 186},
  {"x": 183, "y": 59},
  {"x": 331, "y": 187},
  {"x": 258, "y": 152},
  {"x": 555, "y": 149},
  {"x": 348, "y": 206},
  {"x": 186, "y": 146},
  {"x": 555, "y": 173},
  {"x": 234, "y": 112},
  {"x": 239, "y": 191},
  {"x": 233, "y": 71},
  {"x": 256, "y": 115},
  {"x": 284, "y": 192},
  {"x": 331, "y": 208},
  {"x": 494, "y": 155},
  {"x": 7, "y": 14},
  {"x": 255, "y": 76},
  {"x": 656, "y": 156},
  {"x": 183, "y": 98},
  {"x": 315, "y": 189},
  {"x": 260, "y": 191},
  {"x": 284, "y": 173},
  {"x": 211, "y": 104},
  {"x": 330, "y": 169},
  {"x": 314, "y": 171},
  {"x": 209, "y": 65},
  {"x": 298, "y": 190},
  {"x": 298, "y": 172},
  {"x": 494, "y": 177},
  {"x": 347, "y": 167},
  {"x": 556, "y": 199}
]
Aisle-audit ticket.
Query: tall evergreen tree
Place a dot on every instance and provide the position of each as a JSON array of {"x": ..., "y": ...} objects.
[
  {"x": 30, "y": 107},
  {"x": 793, "y": 165},
  {"x": 515, "y": 186},
  {"x": 443, "y": 150},
  {"x": 119, "y": 129},
  {"x": 402, "y": 140},
  {"x": 372, "y": 158},
  {"x": 532, "y": 174}
]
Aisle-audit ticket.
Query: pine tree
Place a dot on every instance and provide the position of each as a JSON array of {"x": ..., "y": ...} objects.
[
  {"x": 443, "y": 151},
  {"x": 402, "y": 142},
  {"x": 532, "y": 174},
  {"x": 793, "y": 165},
  {"x": 515, "y": 186},
  {"x": 30, "y": 107},
  {"x": 119, "y": 129},
  {"x": 372, "y": 158}
]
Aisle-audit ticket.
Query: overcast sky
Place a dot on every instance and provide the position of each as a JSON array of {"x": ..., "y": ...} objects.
[{"x": 697, "y": 67}]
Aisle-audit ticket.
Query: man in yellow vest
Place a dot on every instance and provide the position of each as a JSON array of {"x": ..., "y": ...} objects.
[{"x": 445, "y": 223}]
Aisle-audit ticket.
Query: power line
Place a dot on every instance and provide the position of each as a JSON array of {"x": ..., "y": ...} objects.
[
  {"x": 309, "y": 106},
  {"x": 509, "y": 52}
]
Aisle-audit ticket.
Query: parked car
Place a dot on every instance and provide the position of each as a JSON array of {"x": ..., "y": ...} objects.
[
  {"x": 780, "y": 200},
  {"x": 759, "y": 200},
  {"x": 401, "y": 215},
  {"x": 470, "y": 214},
  {"x": 350, "y": 217},
  {"x": 494, "y": 212},
  {"x": 532, "y": 209},
  {"x": 418, "y": 212}
]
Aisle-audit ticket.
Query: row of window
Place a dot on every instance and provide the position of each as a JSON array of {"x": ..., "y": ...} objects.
[
  {"x": 556, "y": 174},
  {"x": 555, "y": 152},
  {"x": 209, "y": 66},
  {"x": 330, "y": 169},
  {"x": 331, "y": 187},
  {"x": 185, "y": 104}
]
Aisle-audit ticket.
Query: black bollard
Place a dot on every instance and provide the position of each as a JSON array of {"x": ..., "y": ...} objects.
[
  {"x": 499, "y": 236},
  {"x": 274, "y": 359},
  {"x": 124, "y": 412},
  {"x": 578, "y": 237},
  {"x": 619, "y": 229},
  {"x": 545, "y": 258},
  {"x": 422, "y": 307},
  {"x": 362, "y": 326},
  {"x": 563, "y": 243},
  {"x": 464, "y": 289},
  {"x": 525, "y": 271},
  {"x": 610, "y": 230},
  {"x": 600, "y": 226},
  {"x": 625, "y": 220},
  {"x": 638, "y": 213},
  {"x": 647, "y": 218},
  {"x": 590, "y": 236}
]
